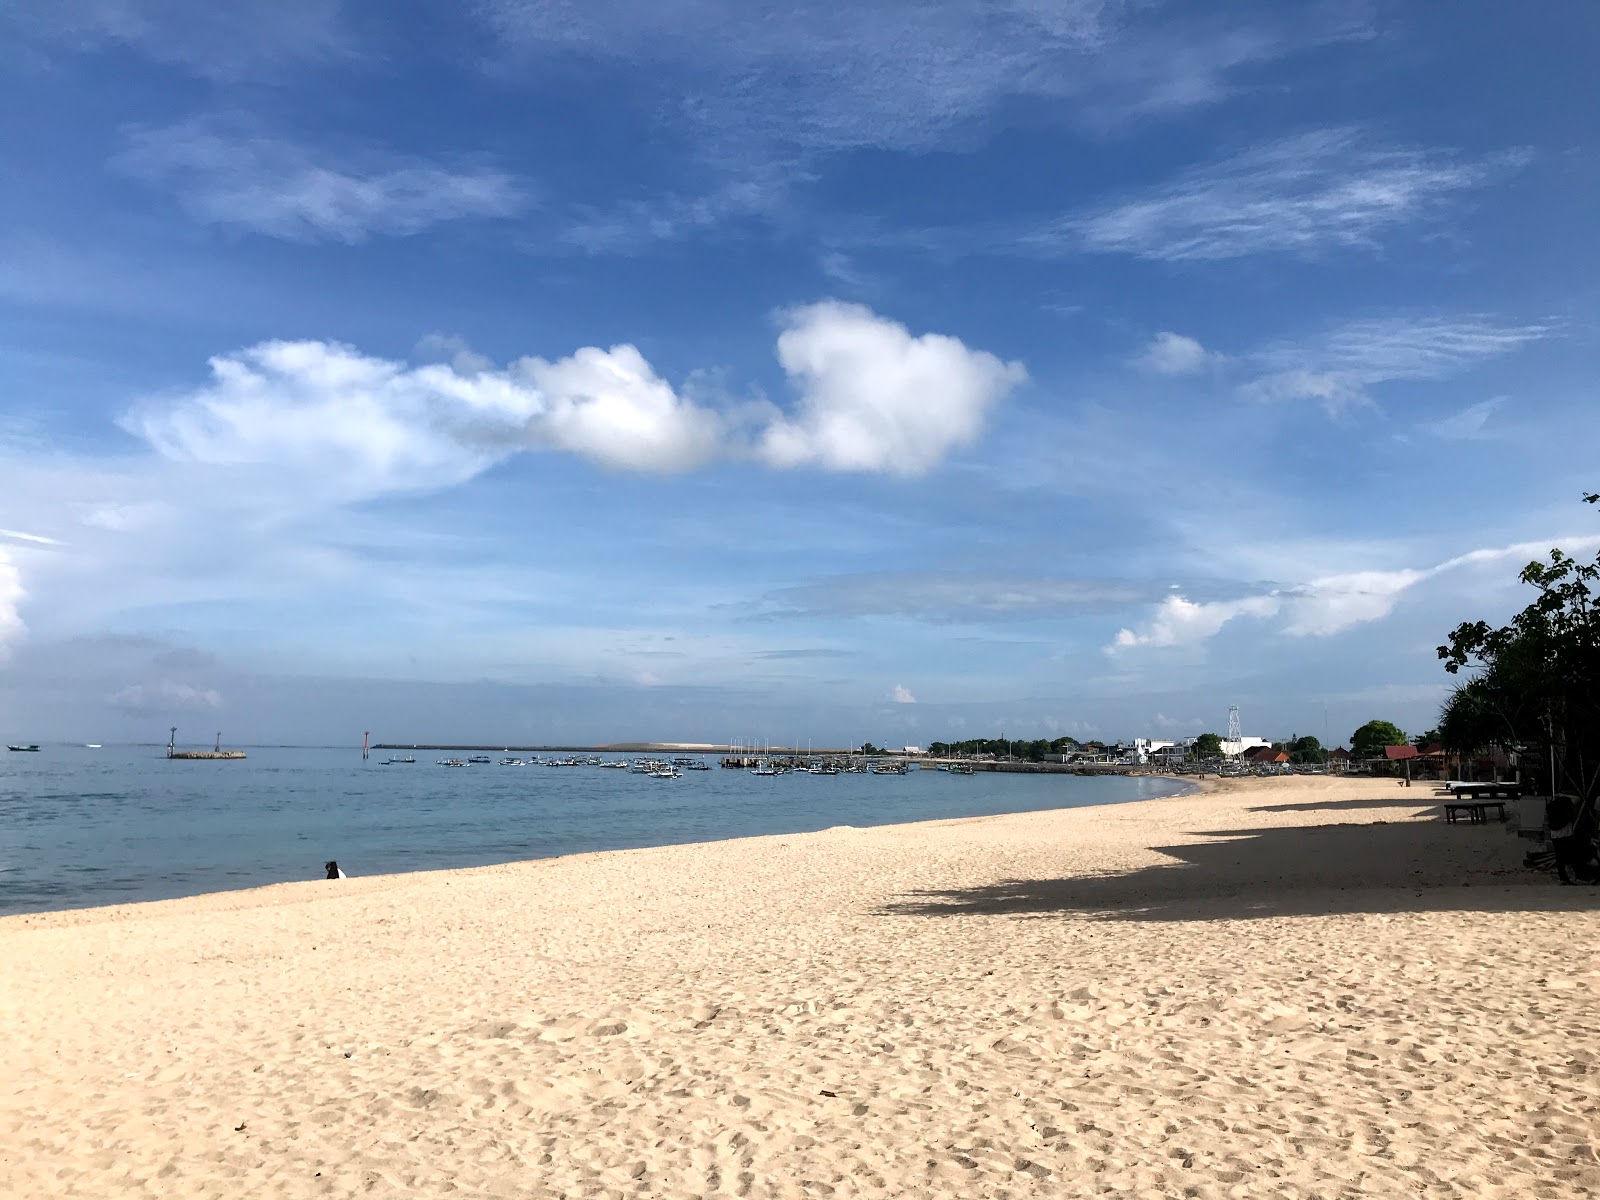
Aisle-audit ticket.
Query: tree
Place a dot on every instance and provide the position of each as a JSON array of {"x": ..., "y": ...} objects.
[
  {"x": 1536, "y": 685},
  {"x": 1421, "y": 740},
  {"x": 1307, "y": 750},
  {"x": 1371, "y": 738},
  {"x": 1208, "y": 745}
]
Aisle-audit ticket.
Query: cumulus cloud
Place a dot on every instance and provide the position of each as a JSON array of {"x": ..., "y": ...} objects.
[
  {"x": 902, "y": 695},
  {"x": 359, "y": 424},
  {"x": 610, "y": 407},
  {"x": 1173, "y": 354},
  {"x": 1181, "y": 622},
  {"x": 143, "y": 699},
  {"x": 873, "y": 397},
  {"x": 352, "y": 425},
  {"x": 229, "y": 173}
]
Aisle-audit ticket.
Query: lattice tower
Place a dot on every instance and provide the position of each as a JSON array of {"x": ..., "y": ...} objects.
[{"x": 1233, "y": 723}]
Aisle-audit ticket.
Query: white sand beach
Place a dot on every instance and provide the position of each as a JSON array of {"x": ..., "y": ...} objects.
[{"x": 1285, "y": 988}]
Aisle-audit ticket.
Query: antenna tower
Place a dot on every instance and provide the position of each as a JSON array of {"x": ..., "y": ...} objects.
[{"x": 1233, "y": 723}]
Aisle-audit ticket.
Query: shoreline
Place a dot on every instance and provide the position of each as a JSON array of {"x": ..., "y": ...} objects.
[
  {"x": 1181, "y": 785},
  {"x": 1269, "y": 988}
]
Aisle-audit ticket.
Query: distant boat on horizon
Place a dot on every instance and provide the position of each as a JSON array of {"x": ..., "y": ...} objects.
[
  {"x": 31, "y": 748},
  {"x": 91, "y": 745}
]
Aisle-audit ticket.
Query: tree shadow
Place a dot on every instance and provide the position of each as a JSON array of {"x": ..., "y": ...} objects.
[
  {"x": 1407, "y": 866},
  {"x": 1428, "y": 801}
]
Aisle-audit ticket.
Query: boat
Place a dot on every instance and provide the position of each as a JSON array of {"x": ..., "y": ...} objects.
[
  {"x": 479, "y": 759},
  {"x": 391, "y": 760},
  {"x": 32, "y": 748},
  {"x": 616, "y": 764},
  {"x": 699, "y": 764},
  {"x": 451, "y": 762},
  {"x": 91, "y": 745},
  {"x": 962, "y": 768}
]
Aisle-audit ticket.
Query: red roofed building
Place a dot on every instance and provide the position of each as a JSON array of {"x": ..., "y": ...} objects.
[{"x": 1266, "y": 755}]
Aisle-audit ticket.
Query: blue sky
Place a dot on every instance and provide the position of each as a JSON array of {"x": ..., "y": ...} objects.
[{"x": 715, "y": 370}]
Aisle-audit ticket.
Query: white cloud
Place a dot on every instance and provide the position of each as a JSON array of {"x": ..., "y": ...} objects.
[
  {"x": 165, "y": 697},
  {"x": 228, "y": 173},
  {"x": 1338, "y": 369},
  {"x": 1301, "y": 195},
  {"x": 1173, "y": 354},
  {"x": 231, "y": 40},
  {"x": 357, "y": 424},
  {"x": 610, "y": 407},
  {"x": 38, "y": 539},
  {"x": 902, "y": 695},
  {"x": 1325, "y": 605},
  {"x": 1336, "y": 602},
  {"x": 875, "y": 398},
  {"x": 1181, "y": 622},
  {"x": 1467, "y": 425},
  {"x": 350, "y": 425},
  {"x": 11, "y": 627}
]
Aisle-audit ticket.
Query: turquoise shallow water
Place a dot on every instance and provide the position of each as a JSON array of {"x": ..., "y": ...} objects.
[{"x": 81, "y": 827}]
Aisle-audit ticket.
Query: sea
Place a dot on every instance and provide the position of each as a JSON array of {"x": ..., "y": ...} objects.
[{"x": 82, "y": 827}]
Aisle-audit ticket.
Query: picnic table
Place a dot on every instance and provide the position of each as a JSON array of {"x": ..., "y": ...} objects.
[
  {"x": 1474, "y": 800},
  {"x": 1476, "y": 809}
]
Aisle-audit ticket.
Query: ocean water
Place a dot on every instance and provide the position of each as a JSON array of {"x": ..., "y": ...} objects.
[{"x": 82, "y": 827}]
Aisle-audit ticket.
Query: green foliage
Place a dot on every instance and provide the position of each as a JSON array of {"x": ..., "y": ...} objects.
[
  {"x": 1208, "y": 745},
  {"x": 1371, "y": 738},
  {"x": 1536, "y": 680},
  {"x": 1306, "y": 750}
]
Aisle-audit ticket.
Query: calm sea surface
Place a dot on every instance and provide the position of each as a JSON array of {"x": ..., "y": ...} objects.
[{"x": 81, "y": 827}]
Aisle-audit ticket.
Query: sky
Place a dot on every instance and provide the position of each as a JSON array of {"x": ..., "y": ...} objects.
[{"x": 713, "y": 370}]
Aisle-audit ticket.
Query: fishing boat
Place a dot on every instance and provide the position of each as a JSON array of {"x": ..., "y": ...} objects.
[
  {"x": 91, "y": 745},
  {"x": 963, "y": 768},
  {"x": 451, "y": 762},
  {"x": 479, "y": 759},
  {"x": 31, "y": 748}
]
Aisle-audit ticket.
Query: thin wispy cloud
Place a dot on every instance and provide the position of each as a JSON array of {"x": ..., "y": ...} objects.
[
  {"x": 1308, "y": 194},
  {"x": 1470, "y": 424},
  {"x": 11, "y": 626},
  {"x": 226, "y": 172},
  {"x": 1338, "y": 369},
  {"x": 231, "y": 40},
  {"x": 1174, "y": 354},
  {"x": 165, "y": 696},
  {"x": 952, "y": 596},
  {"x": 902, "y": 695},
  {"x": 761, "y": 91}
]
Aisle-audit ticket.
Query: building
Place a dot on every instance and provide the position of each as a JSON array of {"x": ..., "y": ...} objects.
[{"x": 1265, "y": 756}]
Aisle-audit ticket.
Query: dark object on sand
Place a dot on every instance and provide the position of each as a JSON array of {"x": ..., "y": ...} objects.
[{"x": 333, "y": 871}]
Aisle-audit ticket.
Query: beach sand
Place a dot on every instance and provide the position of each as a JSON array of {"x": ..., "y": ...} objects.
[{"x": 1286, "y": 988}]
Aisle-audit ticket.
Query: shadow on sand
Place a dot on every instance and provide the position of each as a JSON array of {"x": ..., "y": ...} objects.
[
  {"x": 1422, "y": 804},
  {"x": 1408, "y": 866}
]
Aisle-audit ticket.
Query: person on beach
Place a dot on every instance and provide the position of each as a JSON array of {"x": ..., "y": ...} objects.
[
  {"x": 1570, "y": 837},
  {"x": 333, "y": 871}
]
